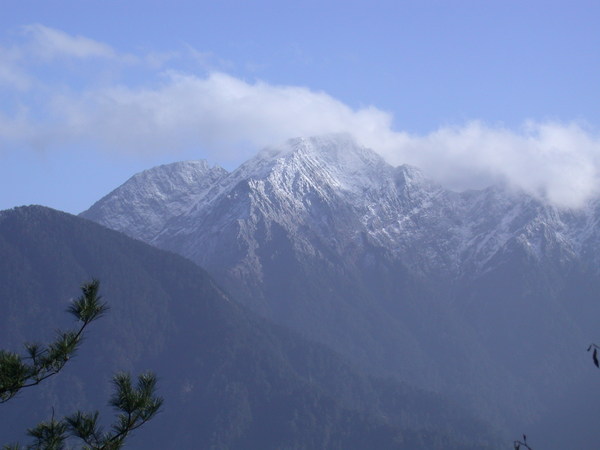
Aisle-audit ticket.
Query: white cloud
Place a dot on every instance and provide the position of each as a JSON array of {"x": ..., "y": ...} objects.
[
  {"x": 219, "y": 112},
  {"x": 11, "y": 74},
  {"x": 49, "y": 43},
  {"x": 229, "y": 119},
  {"x": 554, "y": 161}
]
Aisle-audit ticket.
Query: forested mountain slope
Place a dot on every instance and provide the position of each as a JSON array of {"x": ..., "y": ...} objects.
[{"x": 229, "y": 379}]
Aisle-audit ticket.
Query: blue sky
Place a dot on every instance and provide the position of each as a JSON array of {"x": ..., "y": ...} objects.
[{"x": 473, "y": 92}]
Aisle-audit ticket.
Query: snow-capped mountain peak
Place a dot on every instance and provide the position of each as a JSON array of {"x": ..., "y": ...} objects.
[{"x": 332, "y": 187}]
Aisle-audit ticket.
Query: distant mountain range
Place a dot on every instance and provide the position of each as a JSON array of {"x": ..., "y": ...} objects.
[
  {"x": 488, "y": 296},
  {"x": 229, "y": 378}
]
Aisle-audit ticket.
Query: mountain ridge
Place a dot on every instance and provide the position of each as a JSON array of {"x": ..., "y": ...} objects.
[{"x": 411, "y": 203}]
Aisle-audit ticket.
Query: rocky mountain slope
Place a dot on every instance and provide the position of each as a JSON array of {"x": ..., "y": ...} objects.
[{"x": 486, "y": 295}]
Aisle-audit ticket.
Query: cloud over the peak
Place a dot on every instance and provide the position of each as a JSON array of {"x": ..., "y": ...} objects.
[
  {"x": 228, "y": 119},
  {"x": 558, "y": 162},
  {"x": 217, "y": 111}
]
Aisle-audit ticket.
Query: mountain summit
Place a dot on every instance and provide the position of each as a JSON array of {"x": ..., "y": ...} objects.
[{"x": 478, "y": 294}]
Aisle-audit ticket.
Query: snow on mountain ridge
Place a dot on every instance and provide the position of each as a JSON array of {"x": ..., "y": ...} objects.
[
  {"x": 337, "y": 190},
  {"x": 141, "y": 206}
]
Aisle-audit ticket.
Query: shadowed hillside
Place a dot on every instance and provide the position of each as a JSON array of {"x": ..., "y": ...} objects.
[{"x": 229, "y": 379}]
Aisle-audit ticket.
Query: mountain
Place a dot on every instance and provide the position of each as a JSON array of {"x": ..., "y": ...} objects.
[
  {"x": 229, "y": 378},
  {"x": 488, "y": 295}
]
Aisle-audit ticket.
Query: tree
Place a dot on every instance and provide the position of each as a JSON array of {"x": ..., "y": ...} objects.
[
  {"x": 518, "y": 444},
  {"x": 135, "y": 405},
  {"x": 595, "y": 358},
  {"x": 594, "y": 349}
]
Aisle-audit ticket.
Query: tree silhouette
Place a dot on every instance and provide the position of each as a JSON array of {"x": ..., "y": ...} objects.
[
  {"x": 591, "y": 348},
  {"x": 518, "y": 444},
  {"x": 135, "y": 405},
  {"x": 595, "y": 348}
]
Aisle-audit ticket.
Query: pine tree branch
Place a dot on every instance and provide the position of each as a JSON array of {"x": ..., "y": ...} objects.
[{"x": 16, "y": 373}]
